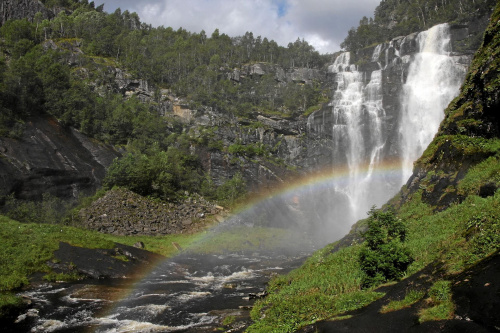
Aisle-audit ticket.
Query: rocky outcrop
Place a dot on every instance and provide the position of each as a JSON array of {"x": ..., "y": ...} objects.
[
  {"x": 48, "y": 158},
  {"x": 19, "y": 9},
  {"x": 122, "y": 261},
  {"x": 296, "y": 75},
  {"x": 122, "y": 212}
]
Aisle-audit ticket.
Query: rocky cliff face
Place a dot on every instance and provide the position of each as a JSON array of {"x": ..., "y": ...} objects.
[
  {"x": 393, "y": 60},
  {"x": 19, "y": 9},
  {"x": 309, "y": 144},
  {"x": 51, "y": 159},
  {"x": 463, "y": 158}
]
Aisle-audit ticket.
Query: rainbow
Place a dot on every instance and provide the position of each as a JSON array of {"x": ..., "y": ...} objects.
[
  {"x": 323, "y": 179},
  {"x": 291, "y": 190}
]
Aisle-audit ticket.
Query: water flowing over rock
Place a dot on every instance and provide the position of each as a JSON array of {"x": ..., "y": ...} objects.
[
  {"x": 434, "y": 79},
  {"x": 385, "y": 111}
]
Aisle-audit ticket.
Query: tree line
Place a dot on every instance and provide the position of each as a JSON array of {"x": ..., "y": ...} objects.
[{"x": 394, "y": 18}]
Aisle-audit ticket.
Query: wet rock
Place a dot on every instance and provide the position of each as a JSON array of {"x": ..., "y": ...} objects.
[
  {"x": 259, "y": 295},
  {"x": 139, "y": 245},
  {"x": 230, "y": 285},
  {"x": 48, "y": 158},
  {"x": 102, "y": 263}
]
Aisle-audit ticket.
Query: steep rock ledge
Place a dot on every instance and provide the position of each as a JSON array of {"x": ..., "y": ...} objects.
[{"x": 466, "y": 135}]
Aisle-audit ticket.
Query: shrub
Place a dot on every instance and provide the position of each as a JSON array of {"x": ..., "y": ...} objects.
[{"x": 383, "y": 257}]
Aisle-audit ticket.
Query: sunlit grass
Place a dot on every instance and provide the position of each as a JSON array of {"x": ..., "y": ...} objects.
[
  {"x": 412, "y": 297},
  {"x": 245, "y": 239},
  {"x": 329, "y": 284},
  {"x": 325, "y": 286},
  {"x": 440, "y": 304}
]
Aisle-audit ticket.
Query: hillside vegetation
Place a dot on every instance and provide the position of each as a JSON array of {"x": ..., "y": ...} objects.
[
  {"x": 444, "y": 221},
  {"x": 67, "y": 67},
  {"x": 449, "y": 208},
  {"x": 35, "y": 78},
  {"x": 394, "y": 18}
]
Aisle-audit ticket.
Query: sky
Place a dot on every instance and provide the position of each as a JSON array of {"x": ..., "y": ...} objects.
[{"x": 322, "y": 23}]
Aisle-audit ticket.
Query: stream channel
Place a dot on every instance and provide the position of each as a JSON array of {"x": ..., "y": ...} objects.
[{"x": 188, "y": 293}]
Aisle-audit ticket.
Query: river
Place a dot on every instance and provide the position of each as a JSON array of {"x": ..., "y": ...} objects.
[{"x": 188, "y": 293}]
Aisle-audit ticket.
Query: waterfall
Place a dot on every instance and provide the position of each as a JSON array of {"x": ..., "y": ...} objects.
[
  {"x": 386, "y": 116},
  {"x": 357, "y": 130},
  {"x": 434, "y": 79}
]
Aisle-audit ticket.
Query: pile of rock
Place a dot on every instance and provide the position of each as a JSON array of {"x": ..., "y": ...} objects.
[{"x": 122, "y": 212}]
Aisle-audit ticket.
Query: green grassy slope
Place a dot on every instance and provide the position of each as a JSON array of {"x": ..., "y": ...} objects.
[
  {"x": 28, "y": 247},
  {"x": 450, "y": 206}
]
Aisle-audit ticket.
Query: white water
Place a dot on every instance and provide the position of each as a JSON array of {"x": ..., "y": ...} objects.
[
  {"x": 357, "y": 131},
  {"x": 178, "y": 295},
  {"x": 434, "y": 79},
  {"x": 360, "y": 131}
]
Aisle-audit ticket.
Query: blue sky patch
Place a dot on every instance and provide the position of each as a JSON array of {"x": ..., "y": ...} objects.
[{"x": 282, "y": 7}]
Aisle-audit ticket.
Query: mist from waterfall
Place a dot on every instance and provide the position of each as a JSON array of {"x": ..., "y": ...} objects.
[{"x": 434, "y": 79}]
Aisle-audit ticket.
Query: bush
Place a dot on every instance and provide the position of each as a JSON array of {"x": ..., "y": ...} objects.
[
  {"x": 383, "y": 256},
  {"x": 161, "y": 174}
]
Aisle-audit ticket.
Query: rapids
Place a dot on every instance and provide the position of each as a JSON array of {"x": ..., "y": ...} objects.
[{"x": 186, "y": 293}]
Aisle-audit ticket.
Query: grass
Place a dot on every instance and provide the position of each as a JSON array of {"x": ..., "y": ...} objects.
[
  {"x": 440, "y": 303},
  {"x": 488, "y": 171},
  {"x": 329, "y": 284},
  {"x": 27, "y": 247},
  {"x": 241, "y": 239},
  {"x": 412, "y": 297},
  {"x": 229, "y": 320},
  {"x": 325, "y": 286}
]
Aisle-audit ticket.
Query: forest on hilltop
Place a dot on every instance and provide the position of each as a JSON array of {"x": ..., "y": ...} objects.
[
  {"x": 393, "y": 18},
  {"x": 192, "y": 65}
]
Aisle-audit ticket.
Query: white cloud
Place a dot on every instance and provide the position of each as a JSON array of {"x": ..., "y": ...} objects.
[{"x": 323, "y": 23}]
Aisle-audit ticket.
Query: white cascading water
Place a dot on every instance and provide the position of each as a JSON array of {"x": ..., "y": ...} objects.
[
  {"x": 434, "y": 79},
  {"x": 357, "y": 130}
]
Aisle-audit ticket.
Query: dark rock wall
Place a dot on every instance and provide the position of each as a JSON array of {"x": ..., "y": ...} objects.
[
  {"x": 51, "y": 159},
  {"x": 394, "y": 61}
]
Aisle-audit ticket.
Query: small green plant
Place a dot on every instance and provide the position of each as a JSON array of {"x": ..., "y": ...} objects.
[
  {"x": 68, "y": 277},
  {"x": 229, "y": 320},
  {"x": 441, "y": 304},
  {"x": 383, "y": 256},
  {"x": 412, "y": 297}
]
